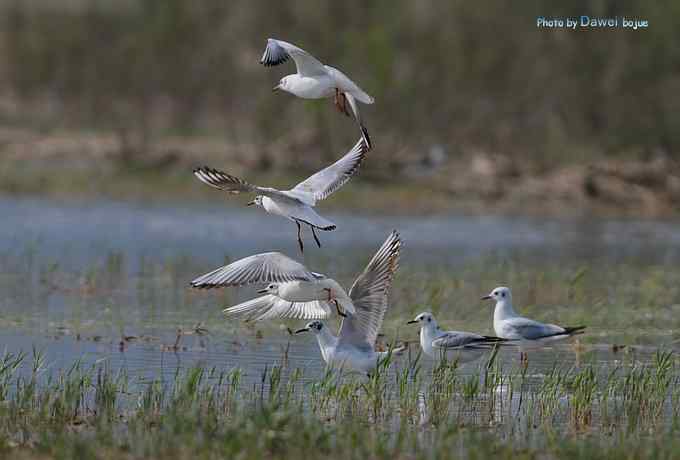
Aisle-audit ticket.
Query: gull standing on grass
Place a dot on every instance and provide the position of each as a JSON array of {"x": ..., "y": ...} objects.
[
  {"x": 354, "y": 347},
  {"x": 292, "y": 290},
  {"x": 461, "y": 346},
  {"x": 315, "y": 80},
  {"x": 296, "y": 204},
  {"x": 531, "y": 334}
]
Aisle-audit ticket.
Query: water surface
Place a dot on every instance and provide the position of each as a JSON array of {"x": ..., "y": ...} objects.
[{"x": 107, "y": 281}]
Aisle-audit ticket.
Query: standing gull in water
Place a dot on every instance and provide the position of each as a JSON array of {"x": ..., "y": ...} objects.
[
  {"x": 292, "y": 290},
  {"x": 315, "y": 80},
  {"x": 531, "y": 334},
  {"x": 296, "y": 204},
  {"x": 461, "y": 346},
  {"x": 354, "y": 346}
]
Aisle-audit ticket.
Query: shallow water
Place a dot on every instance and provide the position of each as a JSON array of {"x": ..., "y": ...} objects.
[{"x": 106, "y": 281}]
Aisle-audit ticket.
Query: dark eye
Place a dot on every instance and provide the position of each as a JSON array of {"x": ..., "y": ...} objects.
[{"x": 495, "y": 293}]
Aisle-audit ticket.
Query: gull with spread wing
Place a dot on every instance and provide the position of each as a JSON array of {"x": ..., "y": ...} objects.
[
  {"x": 296, "y": 204},
  {"x": 315, "y": 80},
  {"x": 529, "y": 333},
  {"x": 354, "y": 346},
  {"x": 461, "y": 346},
  {"x": 292, "y": 290}
]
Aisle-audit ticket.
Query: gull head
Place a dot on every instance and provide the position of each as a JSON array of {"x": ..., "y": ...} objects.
[
  {"x": 257, "y": 201},
  {"x": 314, "y": 326},
  {"x": 424, "y": 319},
  {"x": 284, "y": 84},
  {"x": 271, "y": 288},
  {"x": 500, "y": 294}
]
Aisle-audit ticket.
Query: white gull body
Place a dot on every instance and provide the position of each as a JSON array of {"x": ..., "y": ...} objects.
[
  {"x": 456, "y": 345},
  {"x": 315, "y": 80},
  {"x": 530, "y": 333}
]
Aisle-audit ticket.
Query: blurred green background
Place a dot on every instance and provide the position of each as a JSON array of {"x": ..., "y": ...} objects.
[{"x": 474, "y": 103}]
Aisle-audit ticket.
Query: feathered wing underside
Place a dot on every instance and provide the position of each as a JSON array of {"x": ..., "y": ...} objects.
[
  {"x": 223, "y": 181},
  {"x": 270, "y": 307},
  {"x": 453, "y": 339},
  {"x": 278, "y": 52},
  {"x": 322, "y": 184},
  {"x": 232, "y": 184},
  {"x": 370, "y": 293},
  {"x": 268, "y": 267}
]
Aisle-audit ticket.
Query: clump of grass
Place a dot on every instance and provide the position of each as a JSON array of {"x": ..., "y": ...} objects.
[{"x": 402, "y": 409}]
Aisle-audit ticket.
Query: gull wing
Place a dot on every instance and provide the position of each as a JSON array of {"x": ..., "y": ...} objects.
[
  {"x": 455, "y": 339},
  {"x": 357, "y": 116},
  {"x": 369, "y": 294},
  {"x": 528, "y": 329},
  {"x": 346, "y": 85},
  {"x": 268, "y": 267},
  {"x": 232, "y": 184},
  {"x": 270, "y": 307},
  {"x": 322, "y": 184},
  {"x": 223, "y": 181},
  {"x": 278, "y": 52}
]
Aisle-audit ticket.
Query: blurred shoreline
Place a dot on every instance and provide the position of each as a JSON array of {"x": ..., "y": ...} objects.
[
  {"x": 88, "y": 166},
  {"x": 476, "y": 109}
]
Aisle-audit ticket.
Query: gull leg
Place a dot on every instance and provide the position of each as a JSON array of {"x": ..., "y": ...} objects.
[
  {"x": 329, "y": 293},
  {"x": 336, "y": 99},
  {"x": 302, "y": 247},
  {"x": 316, "y": 238},
  {"x": 340, "y": 102}
]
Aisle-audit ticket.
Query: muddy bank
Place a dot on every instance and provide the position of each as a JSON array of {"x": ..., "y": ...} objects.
[{"x": 602, "y": 186}]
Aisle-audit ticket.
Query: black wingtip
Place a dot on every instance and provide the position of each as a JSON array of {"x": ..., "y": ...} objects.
[
  {"x": 204, "y": 169},
  {"x": 272, "y": 63},
  {"x": 273, "y": 54},
  {"x": 205, "y": 286},
  {"x": 573, "y": 330},
  {"x": 364, "y": 147},
  {"x": 492, "y": 338},
  {"x": 366, "y": 137}
]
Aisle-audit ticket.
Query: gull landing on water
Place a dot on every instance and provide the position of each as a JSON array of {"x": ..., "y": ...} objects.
[
  {"x": 354, "y": 346},
  {"x": 296, "y": 204},
  {"x": 315, "y": 80},
  {"x": 292, "y": 291},
  {"x": 531, "y": 334},
  {"x": 461, "y": 346}
]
